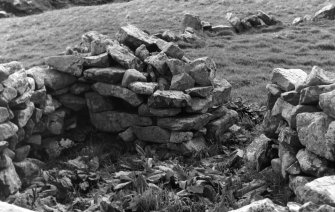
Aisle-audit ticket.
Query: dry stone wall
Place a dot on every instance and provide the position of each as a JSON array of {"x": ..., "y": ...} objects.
[
  {"x": 299, "y": 126},
  {"x": 138, "y": 86}
]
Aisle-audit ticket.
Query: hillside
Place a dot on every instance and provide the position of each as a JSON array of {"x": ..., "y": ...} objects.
[{"x": 245, "y": 60}]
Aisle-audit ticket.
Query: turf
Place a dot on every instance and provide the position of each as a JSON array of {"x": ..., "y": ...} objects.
[{"x": 245, "y": 60}]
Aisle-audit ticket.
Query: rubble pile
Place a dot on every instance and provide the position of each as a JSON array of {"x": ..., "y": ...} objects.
[
  {"x": 139, "y": 87},
  {"x": 298, "y": 126}
]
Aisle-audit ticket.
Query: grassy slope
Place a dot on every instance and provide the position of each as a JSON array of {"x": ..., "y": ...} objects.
[{"x": 245, "y": 60}]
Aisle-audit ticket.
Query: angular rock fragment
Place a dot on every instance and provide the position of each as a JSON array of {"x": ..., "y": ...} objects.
[
  {"x": 158, "y": 61},
  {"x": 316, "y": 77},
  {"x": 326, "y": 102},
  {"x": 18, "y": 81},
  {"x": 203, "y": 71},
  {"x": 288, "y": 79},
  {"x": 174, "y": 99},
  {"x": 181, "y": 82},
  {"x": 291, "y": 97},
  {"x": 127, "y": 95},
  {"x": 10, "y": 182},
  {"x": 327, "y": 12},
  {"x": 199, "y": 105},
  {"x": 311, "y": 95},
  {"x": 133, "y": 37},
  {"x": 128, "y": 135},
  {"x": 221, "y": 92},
  {"x": 177, "y": 66},
  {"x": 21, "y": 153},
  {"x": 55, "y": 122},
  {"x": 100, "y": 61},
  {"x": 201, "y": 92},
  {"x": 142, "y": 52},
  {"x": 113, "y": 121},
  {"x": 111, "y": 75},
  {"x": 69, "y": 64},
  {"x": 193, "y": 122},
  {"x": 7, "y": 69},
  {"x": 23, "y": 116},
  {"x": 172, "y": 50},
  {"x": 261, "y": 205},
  {"x": 124, "y": 57},
  {"x": 143, "y": 88},
  {"x": 132, "y": 75}
]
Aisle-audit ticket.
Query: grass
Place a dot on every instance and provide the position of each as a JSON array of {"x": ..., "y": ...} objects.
[{"x": 245, "y": 60}]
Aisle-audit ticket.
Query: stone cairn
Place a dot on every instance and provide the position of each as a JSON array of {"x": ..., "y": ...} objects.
[
  {"x": 139, "y": 87},
  {"x": 300, "y": 124}
]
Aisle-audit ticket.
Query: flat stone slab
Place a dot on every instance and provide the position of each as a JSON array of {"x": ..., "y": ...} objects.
[
  {"x": 288, "y": 79},
  {"x": 69, "y": 64},
  {"x": 127, "y": 95},
  {"x": 111, "y": 75},
  {"x": 101, "y": 61},
  {"x": 114, "y": 121},
  {"x": 202, "y": 92},
  {"x": 164, "y": 99},
  {"x": 152, "y": 134},
  {"x": 193, "y": 122}
]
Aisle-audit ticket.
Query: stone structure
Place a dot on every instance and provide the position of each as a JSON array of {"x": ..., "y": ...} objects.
[{"x": 138, "y": 86}]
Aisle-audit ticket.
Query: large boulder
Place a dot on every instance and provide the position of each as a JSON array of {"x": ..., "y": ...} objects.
[
  {"x": 69, "y": 64},
  {"x": 113, "y": 121},
  {"x": 327, "y": 12},
  {"x": 288, "y": 79},
  {"x": 127, "y": 95},
  {"x": 111, "y": 75},
  {"x": 319, "y": 191},
  {"x": 316, "y": 132}
]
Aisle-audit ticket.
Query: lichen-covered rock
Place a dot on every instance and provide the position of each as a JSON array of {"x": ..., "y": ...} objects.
[
  {"x": 203, "y": 71},
  {"x": 142, "y": 52},
  {"x": 124, "y": 57},
  {"x": 23, "y": 116},
  {"x": 114, "y": 121},
  {"x": 111, "y": 75},
  {"x": 7, "y": 69},
  {"x": 18, "y": 81},
  {"x": 316, "y": 132},
  {"x": 221, "y": 92},
  {"x": 159, "y": 62},
  {"x": 288, "y": 79},
  {"x": 193, "y": 122},
  {"x": 69, "y": 64},
  {"x": 174, "y": 99},
  {"x": 127, "y": 95}
]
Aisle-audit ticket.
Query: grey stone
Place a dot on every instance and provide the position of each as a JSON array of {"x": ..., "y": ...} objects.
[
  {"x": 113, "y": 121},
  {"x": 142, "y": 52},
  {"x": 261, "y": 205},
  {"x": 179, "y": 137},
  {"x": 172, "y": 50},
  {"x": 7, "y": 95},
  {"x": 7, "y": 69},
  {"x": 192, "y": 122},
  {"x": 101, "y": 61},
  {"x": 18, "y": 81},
  {"x": 111, "y": 75},
  {"x": 327, "y": 104},
  {"x": 201, "y": 92},
  {"x": 133, "y": 37},
  {"x": 52, "y": 79},
  {"x": 177, "y": 66},
  {"x": 294, "y": 169},
  {"x": 35, "y": 140},
  {"x": 316, "y": 77},
  {"x": 55, "y": 123},
  {"x": 200, "y": 105},
  {"x": 124, "y": 57},
  {"x": 97, "y": 103},
  {"x": 291, "y": 97},
  {"x": 290, "y": 137},
  {"x": 21, "y": 153},
  {"x": 153, "y": 134},
  {"x": 158, "y": 61},
  {"x": 163, "y": 84},
  {"x": 297, "y": 21},
  {"x": 79, "y": 88},
  {"x": 288, "y": 79},
  {"x": 10, "y": 182},
  {"x": 50, "y": 105},
  {"x": 312, "y": 164},
  {"x": 143, "y": 88},
  {"x": 127, "y": 95},
  {"x": 203, "y": 71},
  {"x": 22, "y": 116},
  {"x": 317, "y": 133},
  {"x": 128, "y": 135},
  {"x": 164, "y": 112},
  {"x": 4, "y": 114},
  {"x": 132, "y": 75},
  {"x": 221, "y": 92},
  {"x": 39, "y": 97},
  {"x": 327, "y": 12},
  {"x": 191, "y": 20},
  {"x": 181, "y": 82},
  {"x": 257, "y": 152},
  {"x": 174, "y": 99},
  {"x": 27, "y": 170},
  {"x": 73, "y": 102},
  {"x": 310, "y": 95},
  {"x": 276, "y": 165},
  {"x": 69, "y": 64},
  {"x": 267, "y": 19}
]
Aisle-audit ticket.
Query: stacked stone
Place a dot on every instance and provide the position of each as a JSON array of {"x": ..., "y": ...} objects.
[
  {"x": 138, "y": 86},
  {"x": 300, "y": 119}
]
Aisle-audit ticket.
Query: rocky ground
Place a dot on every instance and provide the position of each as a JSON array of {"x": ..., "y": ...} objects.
[{"x": 133, "y": 124}]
